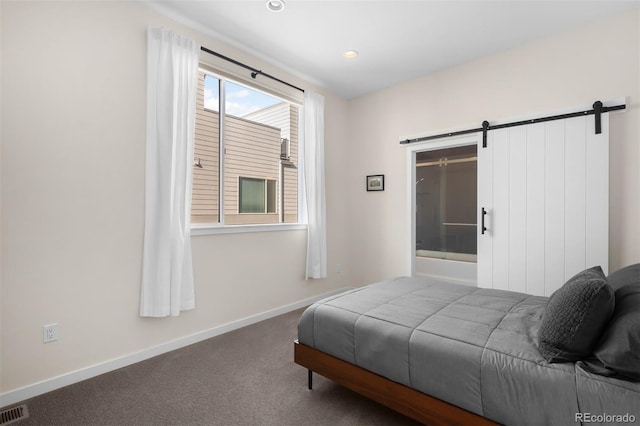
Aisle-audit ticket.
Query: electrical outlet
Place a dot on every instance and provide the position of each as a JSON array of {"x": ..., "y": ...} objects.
[{"x": 49, "y": 333}]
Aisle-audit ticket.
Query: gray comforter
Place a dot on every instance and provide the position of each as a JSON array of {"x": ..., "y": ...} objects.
[{"x": 472, "y": 347}]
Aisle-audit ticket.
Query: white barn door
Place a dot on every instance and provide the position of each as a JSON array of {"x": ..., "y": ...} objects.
[{"x": 545, "y": 190}]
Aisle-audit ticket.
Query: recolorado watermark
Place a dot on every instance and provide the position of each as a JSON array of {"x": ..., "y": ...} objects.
[{"x": 605, "y": 418}]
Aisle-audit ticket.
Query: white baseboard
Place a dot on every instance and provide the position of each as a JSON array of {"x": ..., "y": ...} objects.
[{"x": 30, "y": 391}]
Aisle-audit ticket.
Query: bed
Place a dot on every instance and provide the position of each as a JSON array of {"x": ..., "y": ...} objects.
[{"x": 443, "y": 353}]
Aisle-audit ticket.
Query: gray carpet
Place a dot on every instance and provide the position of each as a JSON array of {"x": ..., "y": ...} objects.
[{"x": 245, "y": 377}]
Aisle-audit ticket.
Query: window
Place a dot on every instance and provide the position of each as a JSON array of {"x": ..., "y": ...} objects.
[
  {"x": 255, "y": 180},
  {"x": 257, "y": 196},
  {"x": 446, "y": 203}
]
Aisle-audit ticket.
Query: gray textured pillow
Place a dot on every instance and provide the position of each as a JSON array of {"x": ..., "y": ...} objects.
[
  {"x": 575, "y": 316},
  {"x": 619, "y": 347}
]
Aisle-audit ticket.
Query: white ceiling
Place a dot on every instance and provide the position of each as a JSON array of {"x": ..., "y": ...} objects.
[{"x": 397, "y": 40}]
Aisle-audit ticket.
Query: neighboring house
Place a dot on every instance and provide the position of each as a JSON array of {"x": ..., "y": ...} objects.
[
  {"x": 285, "y": 117},
  {"x": 258, "y": 167}
]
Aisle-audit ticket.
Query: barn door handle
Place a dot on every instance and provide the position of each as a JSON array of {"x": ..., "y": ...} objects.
[{"x": 484, "y": 213}]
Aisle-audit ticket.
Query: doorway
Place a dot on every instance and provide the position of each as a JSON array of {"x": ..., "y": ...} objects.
[{"x": 444, "y": 196}]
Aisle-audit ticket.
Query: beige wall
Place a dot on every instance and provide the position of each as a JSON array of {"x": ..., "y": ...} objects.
[
  {"x": 72, "y": 176},
  {"x": 598, "y": 61},
  {"x": 72, "y": 173}
]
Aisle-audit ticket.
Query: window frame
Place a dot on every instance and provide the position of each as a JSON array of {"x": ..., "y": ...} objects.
[{"x": 198, "y": 229}]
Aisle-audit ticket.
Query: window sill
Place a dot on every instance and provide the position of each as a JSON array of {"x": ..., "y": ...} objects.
[{"x": 205, "y": 229}]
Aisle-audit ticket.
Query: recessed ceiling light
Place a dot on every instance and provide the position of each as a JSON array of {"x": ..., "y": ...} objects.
[
  {"x": 275, "y": 5},
  {"x": 350, "y": 54}
]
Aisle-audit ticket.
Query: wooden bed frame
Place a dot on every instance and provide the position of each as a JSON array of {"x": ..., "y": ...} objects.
[{"x": 410, "y": 402}]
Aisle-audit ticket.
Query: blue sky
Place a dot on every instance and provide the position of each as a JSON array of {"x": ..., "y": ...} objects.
[{"x": 240, "y": 100}]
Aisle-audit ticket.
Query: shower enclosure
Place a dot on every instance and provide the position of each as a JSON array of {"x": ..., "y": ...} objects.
[{"x": 446, "y": 203}]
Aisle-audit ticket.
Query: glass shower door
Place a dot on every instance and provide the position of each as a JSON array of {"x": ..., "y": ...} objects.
[{"x": 446, "y": 204}]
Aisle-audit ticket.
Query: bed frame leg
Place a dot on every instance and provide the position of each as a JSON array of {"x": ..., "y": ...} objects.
[{"x": 310, "y": 379}]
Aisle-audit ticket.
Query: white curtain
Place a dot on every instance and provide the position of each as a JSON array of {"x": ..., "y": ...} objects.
[
  {"x": 313, "y": 189},
  {"x": 172, "y": 78}
]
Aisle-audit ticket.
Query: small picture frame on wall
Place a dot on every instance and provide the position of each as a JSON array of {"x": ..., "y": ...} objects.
[{"x": 375, "y": 183}]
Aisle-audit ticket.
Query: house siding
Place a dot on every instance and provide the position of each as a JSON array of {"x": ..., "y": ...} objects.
[
  {"x": 285, "y": 117},
  {"x": 205, "y": 196}
]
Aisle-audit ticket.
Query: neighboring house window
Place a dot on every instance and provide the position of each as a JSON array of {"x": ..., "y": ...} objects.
[
  {"x": 255, "y": 181},
  {"x": 257, "y": 195}
]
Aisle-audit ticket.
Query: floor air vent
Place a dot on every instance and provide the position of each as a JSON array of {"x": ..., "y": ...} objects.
[{"x": 13, "y": 415}]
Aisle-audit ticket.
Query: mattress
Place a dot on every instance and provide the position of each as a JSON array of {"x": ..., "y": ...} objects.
[{"x": 471, "y": 347}]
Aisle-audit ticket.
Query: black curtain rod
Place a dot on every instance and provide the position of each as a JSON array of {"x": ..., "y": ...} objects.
[
  {"x": 597, "y": 110},
  {"x": 254, "y": 71}
]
